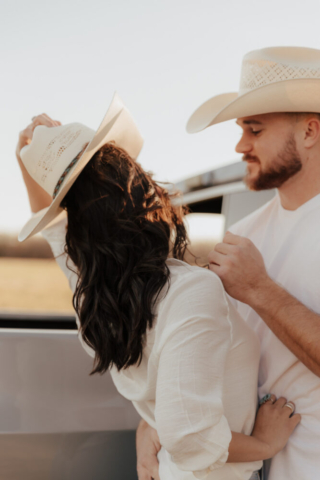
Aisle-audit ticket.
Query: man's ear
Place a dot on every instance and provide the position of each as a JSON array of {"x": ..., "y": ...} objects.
[{"x": 311, "y": 132}]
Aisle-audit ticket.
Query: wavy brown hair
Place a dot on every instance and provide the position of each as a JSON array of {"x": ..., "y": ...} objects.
[{"x": 121, "y": 225}]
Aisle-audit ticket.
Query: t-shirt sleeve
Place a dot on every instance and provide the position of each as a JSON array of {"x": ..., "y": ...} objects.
[
  {"x": 56, "y": 237},
  {"x": 236, "y": 229},
  {"x": 189, "y": 409}
]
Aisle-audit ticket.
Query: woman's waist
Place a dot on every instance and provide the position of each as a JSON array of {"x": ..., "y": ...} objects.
[{"x": 168, "y": 470}]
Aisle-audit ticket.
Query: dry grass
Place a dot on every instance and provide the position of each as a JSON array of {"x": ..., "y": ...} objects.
[
  {"x": 38, "y": 284},
  {"x": 33, "y": 285}
]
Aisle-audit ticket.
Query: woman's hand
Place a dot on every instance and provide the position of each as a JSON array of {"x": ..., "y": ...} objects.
[
  {"x": 274, "y": 424},
  {"x": 271, "y": 432},
  {"x": 25, "y": 136},
  {"x": 38, "y": 197}
]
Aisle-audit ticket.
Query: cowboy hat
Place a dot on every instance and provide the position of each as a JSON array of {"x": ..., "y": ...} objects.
[
  {"x": 54, "y": 159},
  {"x": 275, "y": 79}
]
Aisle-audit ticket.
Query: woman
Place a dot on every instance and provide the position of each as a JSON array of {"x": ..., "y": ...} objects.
[{"x": 167, "y": 332}]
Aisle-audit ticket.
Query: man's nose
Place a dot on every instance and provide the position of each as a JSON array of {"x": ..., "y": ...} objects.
[{"x": 244, "y": 146}]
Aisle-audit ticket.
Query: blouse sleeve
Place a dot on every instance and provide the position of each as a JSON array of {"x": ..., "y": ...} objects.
[
  {"x": 55, "y": 235},
  {"x": 189, "y": 410}
]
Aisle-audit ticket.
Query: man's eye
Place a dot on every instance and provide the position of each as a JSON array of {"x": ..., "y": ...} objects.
[{"x": 255, "y": 132}]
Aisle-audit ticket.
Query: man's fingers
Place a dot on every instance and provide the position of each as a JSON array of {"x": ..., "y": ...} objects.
[
  {"x": 214, "y": 268},
  {"x": 222, "y": 248},
  {"x": 155, "y": 473},
  {"x": 152, "y": 466},
  {"x": 232, "y": 239},
  {"x": 216, "y": 257},
  {"x": 148, "y": 473},
  {"x": 226, "y": 248},
  {"x": 143, "y": 474}
]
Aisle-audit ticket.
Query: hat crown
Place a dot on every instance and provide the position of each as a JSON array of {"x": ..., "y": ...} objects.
[
  {"x": 277, "y": 64},
  {"x": 52, "y": 150},
  {"x": 56, "y": 156}
]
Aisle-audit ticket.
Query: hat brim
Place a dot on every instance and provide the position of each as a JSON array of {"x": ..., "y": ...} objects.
[
  {"x": 118, "y": 126},
  {"x": 298, "y": 95}
]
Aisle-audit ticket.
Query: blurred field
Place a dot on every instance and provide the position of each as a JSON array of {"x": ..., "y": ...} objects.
[
  {"x": 38, "y": 285},
  {"x": 33, "y": 285}
]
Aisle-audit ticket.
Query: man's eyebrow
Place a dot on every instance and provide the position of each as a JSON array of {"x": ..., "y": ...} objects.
[{"x": 250, "y": 122}]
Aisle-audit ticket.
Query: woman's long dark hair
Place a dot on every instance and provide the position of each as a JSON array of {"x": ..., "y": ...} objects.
[{"x": 120, "y": 227}]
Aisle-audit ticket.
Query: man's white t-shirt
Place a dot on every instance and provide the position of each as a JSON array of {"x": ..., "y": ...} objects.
[{"x": 289, "y": 242}]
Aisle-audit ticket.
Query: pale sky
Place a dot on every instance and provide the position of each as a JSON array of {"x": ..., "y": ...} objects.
[{"x": 164, "y": 58}]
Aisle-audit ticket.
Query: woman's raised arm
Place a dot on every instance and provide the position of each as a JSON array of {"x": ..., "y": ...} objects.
[{"x": 38, "y": 197}]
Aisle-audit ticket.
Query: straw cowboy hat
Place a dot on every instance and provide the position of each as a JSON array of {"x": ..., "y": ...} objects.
[
  {"x": 275, "y": 79},
  {"x": 51, "y": 157}
]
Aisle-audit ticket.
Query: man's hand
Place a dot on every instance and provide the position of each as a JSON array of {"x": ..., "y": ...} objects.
[
  {"x": 148, "y": 445},
  {"x": 240, "y": 266}
]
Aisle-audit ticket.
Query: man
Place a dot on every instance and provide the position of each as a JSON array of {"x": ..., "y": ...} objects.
[{"x": 277, "y": 289}]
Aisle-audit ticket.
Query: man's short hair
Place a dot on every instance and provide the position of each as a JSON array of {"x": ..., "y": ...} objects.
[{"x": 297, "y": 116}]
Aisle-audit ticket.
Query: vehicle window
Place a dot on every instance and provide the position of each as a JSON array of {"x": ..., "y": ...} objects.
[{"x": 205, "y": 230}]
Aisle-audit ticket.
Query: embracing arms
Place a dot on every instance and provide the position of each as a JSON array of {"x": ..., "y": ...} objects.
[
  {"x": 189, "y": 412},
  {"x": 264, "y": 442},
  {"x": 241, "y": 268}
]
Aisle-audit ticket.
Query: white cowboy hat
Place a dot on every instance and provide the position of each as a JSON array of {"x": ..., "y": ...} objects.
[
  {"x": 275, "y": 79},
  {"x": 51, "y": 157}
]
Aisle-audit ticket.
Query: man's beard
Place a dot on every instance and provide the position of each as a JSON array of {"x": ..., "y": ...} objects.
[{"x": 284, "y": 166}]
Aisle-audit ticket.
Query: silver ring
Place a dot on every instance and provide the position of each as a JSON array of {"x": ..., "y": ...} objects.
[{"x": 290, "y": 405}]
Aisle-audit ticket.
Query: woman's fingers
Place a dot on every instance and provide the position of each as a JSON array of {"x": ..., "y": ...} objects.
[
  {"x": 25, "y": 136},
  {"x": 44, "y": 119},
  {"x": 271, "y": 400},
  {"x": 295, "y": 419},
  {"x": 281, "y": 402},
  {"x": 287, "y": 407}
]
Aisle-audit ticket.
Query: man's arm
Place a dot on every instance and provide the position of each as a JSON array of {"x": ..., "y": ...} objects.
[{"x": 241, "y": 268}]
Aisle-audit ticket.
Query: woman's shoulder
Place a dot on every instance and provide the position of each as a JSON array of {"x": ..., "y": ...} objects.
[
  {"x": 191, "y": 276},
  {"x": 193, "y": 289},
  {"x": 195, "y": 297}
]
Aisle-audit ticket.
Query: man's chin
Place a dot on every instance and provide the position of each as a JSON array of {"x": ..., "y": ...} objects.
[{"x": 251, "y": 181}]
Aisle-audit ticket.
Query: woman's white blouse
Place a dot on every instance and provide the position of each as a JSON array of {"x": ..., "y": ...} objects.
[{"x": 197, "y": 381}]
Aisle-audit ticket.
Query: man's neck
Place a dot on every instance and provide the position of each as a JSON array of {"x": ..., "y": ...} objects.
[{"x": 301, "y": 188}]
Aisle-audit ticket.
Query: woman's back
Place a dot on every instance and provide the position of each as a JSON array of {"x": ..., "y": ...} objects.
[{"x": 198, "y": 377}]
